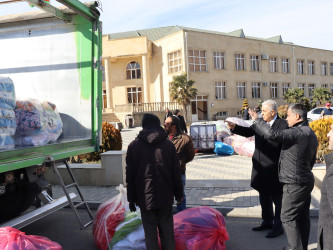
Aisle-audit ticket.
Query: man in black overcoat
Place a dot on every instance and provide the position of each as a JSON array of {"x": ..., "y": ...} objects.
[{"x": 264, "y": 176}]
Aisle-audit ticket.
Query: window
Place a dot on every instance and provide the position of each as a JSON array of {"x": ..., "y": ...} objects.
[
  {"x": 175, "y": 62},
  {"x": 324, "y": 85},
  {"x": 240, "y": 61},
  {"x": 273, "y": 64},
  {"x": 300, "y": 66},
  {"x": 285, "y": 88},
  {"x": 302, "y": 87},
  {"x": 274, "y": 90},
  {"x": 254, "y": 63},
  {"x": 220, "y": 92},
  {"x": 133, "y": 71},
  {"x": 311, "y": 67},
  {"x": 241, "y": 87},
  {"x": 256, "y": 90},
  {"x": 331, "y": 89},
  {"x": 323, "y": 68},
  {"x": 197, "y": 60},
  {"x": 285, "y": 65},
  {"x": 222, "y": 113},
  {"x": 311, "y": 88},
  {"x": 134, "y": 95},
  {"x": 219, "y": 62},
  {"x": 331, "y": 69},
  {"x": 104, "y": 99}
]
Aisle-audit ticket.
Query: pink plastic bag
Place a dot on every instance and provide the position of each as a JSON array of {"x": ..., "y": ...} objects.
[
  {"x": 108, "y": 216},
  {"x": 200, "y": 228},
  {"x": 11, "y": 238}
]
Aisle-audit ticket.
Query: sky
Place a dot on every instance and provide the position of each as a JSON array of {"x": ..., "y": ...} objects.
[{"x": 302, "y": 22}]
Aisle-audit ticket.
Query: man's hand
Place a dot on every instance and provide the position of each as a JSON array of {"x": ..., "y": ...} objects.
[
  {"x": 132, "y": 207},
  {"x": 253, "y": 114},
  {"x": 179, "y": 201},
  {"x": 230, "y": 125}
]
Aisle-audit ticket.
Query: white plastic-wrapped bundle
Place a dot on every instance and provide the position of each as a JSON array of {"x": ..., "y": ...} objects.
[
  {"x": 7, "y": 114},
  {"x": 37, "y": 123}
]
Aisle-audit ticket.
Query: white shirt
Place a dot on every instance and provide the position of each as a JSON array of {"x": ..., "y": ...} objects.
[{"x": 272, "y": 121}]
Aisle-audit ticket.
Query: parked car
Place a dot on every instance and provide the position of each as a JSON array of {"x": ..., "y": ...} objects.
[{"x": 314, "y": 114}]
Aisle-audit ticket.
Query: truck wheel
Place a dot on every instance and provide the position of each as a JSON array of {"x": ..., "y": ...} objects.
[{"x": 17, "y": 199}]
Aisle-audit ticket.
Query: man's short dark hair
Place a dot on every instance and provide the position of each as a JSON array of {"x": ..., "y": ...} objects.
[
  {"x": 299, "y": 108},
  {"x": 175, "y": 121},
  {"x": 176, "y": 112}
]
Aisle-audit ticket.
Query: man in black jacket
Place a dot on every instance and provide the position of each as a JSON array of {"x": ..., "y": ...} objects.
[
  {"x": 182, "y": 123},
  {"x": 264, "y": 176},
  {"x": 153, "y": 180},
  {"x": 298, "y": 155}
]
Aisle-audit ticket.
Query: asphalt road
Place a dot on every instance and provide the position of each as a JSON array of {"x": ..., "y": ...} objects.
[{"x": 63, "y": 228}]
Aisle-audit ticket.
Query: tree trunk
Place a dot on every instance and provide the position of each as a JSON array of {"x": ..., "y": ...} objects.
[{"x": 185, "y": 111}]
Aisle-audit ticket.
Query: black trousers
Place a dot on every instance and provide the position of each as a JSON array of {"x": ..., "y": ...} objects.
[
  {"x": 161, "y": 219},
  {"x": 295, "y": 214},
  {"x": 267, "y": 213}
]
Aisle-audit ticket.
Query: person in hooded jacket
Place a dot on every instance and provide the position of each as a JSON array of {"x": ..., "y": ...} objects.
[{"x": 153, "y": 180}]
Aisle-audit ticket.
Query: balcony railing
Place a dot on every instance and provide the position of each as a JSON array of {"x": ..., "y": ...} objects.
[{"x": 146, "y": 107}]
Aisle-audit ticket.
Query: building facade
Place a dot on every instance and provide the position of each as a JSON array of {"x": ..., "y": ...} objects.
[{"x": 226, "y": 67}]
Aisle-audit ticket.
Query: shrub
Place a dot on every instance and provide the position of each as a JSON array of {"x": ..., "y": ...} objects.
[
  {"x": 321, "y": 128},
  {"x": 111, "y": 140},
  {"x": 282, "y": 111}
]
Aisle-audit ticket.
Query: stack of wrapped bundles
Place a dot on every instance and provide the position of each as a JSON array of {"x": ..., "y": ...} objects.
[
  {"x": 242, "y": 145},
  {"x": 37, "y": 123},
  {"x": 7, "y": 114},
  {"x": 222, "y": 130}
]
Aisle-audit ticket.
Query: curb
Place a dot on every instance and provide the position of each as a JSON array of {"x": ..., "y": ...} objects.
[{"x": 254, "y": 212}]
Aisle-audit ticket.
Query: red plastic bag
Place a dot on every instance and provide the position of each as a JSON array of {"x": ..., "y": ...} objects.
[
  {"x": 200, "y": 228},
  {"x": 11, "y": 238},
  {"x": 108, "y": 216}
]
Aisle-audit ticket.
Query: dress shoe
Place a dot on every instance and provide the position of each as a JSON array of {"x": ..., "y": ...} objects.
[
  {"x": 263, "y": 226},
  {"x": 274, "y": 233}
]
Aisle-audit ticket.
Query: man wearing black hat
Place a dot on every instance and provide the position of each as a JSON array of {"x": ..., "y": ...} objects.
[{"x": 153, "y": 180}]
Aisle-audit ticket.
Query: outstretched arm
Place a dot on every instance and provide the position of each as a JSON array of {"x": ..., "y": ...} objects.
[{"x": 282, "y": 136}]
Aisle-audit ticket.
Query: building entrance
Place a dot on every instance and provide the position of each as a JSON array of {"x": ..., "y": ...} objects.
[{"x": 199, "y": 108}]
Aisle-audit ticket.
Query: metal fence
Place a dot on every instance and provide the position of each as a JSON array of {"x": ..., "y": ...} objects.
[{"x": 147, "y": 107}]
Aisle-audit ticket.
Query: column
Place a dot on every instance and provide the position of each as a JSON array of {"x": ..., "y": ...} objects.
[
  {"x": 108, "y": 84},
  {"x": 145, "y": 76}
]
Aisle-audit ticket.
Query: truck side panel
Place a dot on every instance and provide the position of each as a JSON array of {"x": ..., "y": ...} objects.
[{"x": 53, "y": 61}]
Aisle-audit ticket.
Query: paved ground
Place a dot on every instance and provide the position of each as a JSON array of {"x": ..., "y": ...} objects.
[{"x": 219, "y": 181}]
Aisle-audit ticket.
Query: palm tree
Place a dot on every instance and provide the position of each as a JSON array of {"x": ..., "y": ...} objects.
[
  {"x": 293, "y": 96},
  {"x": 182, "y": 91}
]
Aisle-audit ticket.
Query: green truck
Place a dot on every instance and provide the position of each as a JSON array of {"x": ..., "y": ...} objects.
[{"x": 53, "y": 55}]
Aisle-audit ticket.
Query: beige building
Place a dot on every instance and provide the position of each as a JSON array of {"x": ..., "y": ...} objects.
[{"x": 226, "y": 67}]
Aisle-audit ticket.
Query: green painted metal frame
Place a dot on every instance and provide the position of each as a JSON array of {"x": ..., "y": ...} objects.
[
  {"x": 50, "y": 9},
  {"x": 30, "y": 156}
]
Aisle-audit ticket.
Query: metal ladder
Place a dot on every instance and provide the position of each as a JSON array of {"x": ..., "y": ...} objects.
[{"x": 74, "y": 183}]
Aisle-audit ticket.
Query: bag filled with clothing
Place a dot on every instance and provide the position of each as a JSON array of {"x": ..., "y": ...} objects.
[
  {"x": 200, "y": 228},
  {"x": 37, "y": 123},
  {"x": 223, "y": 149},
  {"x": 11, "y": 238}
]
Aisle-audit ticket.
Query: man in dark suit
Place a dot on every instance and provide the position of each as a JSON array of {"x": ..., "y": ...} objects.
[
  {"x": 264, "y": 177},
  {"x": 182, "y": 123}
]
